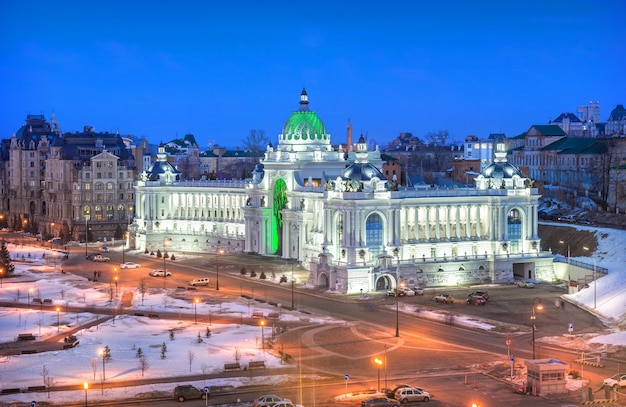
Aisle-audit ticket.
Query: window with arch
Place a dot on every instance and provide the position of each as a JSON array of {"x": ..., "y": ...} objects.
[
  {"x": 514, "y": 225},
  {"x": 110, "y": 186},
  {"x": 121, "y": 212},
  {"x": 98, "y": 212},
  {"x": 374, "y": 231}
]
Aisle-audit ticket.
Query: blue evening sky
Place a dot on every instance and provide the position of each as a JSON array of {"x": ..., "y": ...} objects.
[{"x": 218, "y": 69}]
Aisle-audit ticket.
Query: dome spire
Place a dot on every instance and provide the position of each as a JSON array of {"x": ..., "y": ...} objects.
[{"x": 304, "y": 101}]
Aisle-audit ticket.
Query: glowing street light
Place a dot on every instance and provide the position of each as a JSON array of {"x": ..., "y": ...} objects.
[
  {"x": 102, "y": 354},
  {"x": 536, "y": 306},
  {"x": 262, "y": 323},
  {"x": 24, "y": 223},
  {"x": 195, "y": 307},
  {"x": 594, "y": 277},
  {"x": 378, "y": 363},
  {"x": 58, "y": 319},
  {"x": 1, "y": 276},
  {"x": 569, "y": 278},
  {"x": 86, "y": 387}
]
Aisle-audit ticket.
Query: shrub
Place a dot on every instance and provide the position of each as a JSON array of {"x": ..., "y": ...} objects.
[
  {"x": 262, "y": 276},
  {"x": 252, "y": 273},
  {"x": 243, "y": 271}
]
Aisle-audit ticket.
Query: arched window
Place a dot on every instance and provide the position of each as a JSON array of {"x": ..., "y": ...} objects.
[
  {"x": 514, "y": 225},
  {"x": 374, "y": 232},
  {"x": 339, "y": 235}
]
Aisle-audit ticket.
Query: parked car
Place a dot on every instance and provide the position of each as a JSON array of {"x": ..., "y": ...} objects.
[
  {"x": 286, "y": 403},
  {"x": 567, "y": 218},
  {"x": 129, "y": 265},
  {"x": 160, "y": 273},
  {"x": 445, "y": 298},
  {"x": 476, "y": 300},
  {"x": 418, "y": 290},
  {"x": 268, "y": 400},
  {"x": 392, "y": 392},
  {"x": 584, "y": 221},
  {"x": 393, "y": 292},
  {"x": 379, "y": 402},
  {"x": 483, "y": 294},
  {"x": 525, "y": 284},
  {"x": 411, "y": 394},
  {"x": 188, "y": 392},
  {"x": 407, "y": 291},
  {"x": 199, "y": 281},
  {"x": 552, "y": 216},
  {"x": 616, "y": 381},
  {"x": 100, "y": 258}
]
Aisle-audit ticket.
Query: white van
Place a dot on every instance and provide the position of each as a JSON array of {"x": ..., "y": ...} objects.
[{"x": 199, "y": 281}]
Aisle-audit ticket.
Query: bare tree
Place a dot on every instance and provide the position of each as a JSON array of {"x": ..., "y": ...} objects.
[
  {"x": 142, "y": 288},
  {"x": 48, "y": 381},
  {"x": 190, "y": 357},
  {"x": 237, "y": 355},
  {"x": 94, "y": 367},
  {"x": 143, "y": 364},
  {"x": 439, "y": 138},
  {"x": 256, "y": 142},
  {"x": 205, "y": 372}
]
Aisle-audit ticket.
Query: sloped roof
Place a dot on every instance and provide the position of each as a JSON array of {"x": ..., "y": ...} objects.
[
  {"x": 617, "y": 114},
  {"x": 548, "y": 130},
  {"x": 570, "y": 116},
  {"x": 576, "y": 145}
]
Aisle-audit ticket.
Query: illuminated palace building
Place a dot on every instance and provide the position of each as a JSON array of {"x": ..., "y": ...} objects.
[{"x": 334, "y": 213}]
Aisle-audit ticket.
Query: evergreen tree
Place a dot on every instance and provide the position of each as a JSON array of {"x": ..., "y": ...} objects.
[{"x": 5, "y": 260}]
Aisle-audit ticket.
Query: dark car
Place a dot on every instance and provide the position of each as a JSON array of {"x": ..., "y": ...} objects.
[
  {"x": 380, "y": 402},
  {"x": 483, "y": 294},
  {"x": 584, "y": 221},
  {"x": 188, "y": 392},
  {"x": 476, "y": 300}
]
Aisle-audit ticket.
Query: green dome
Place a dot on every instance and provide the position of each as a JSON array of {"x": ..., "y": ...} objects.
[{"x": 304, "y": 127}]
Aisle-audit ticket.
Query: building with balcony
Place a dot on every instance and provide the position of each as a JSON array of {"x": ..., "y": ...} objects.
[{"x": 58, "y": 182}]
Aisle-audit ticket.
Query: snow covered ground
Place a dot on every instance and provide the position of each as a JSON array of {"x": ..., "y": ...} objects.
[{"x": 190, "y": 350}]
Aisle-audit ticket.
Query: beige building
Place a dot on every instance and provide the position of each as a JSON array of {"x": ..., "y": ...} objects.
[{"x": 64, "y": 184}]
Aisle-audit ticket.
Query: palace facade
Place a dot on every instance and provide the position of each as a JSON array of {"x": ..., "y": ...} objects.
[{"x": 336, "y": 214}]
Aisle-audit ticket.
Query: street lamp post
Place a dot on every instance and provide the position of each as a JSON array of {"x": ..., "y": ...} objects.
[
  {"x": 594, "y": 277},
  {"x": 217, "y": 268},
  {"x": 195, "y": 314},
  {"x": 51, "y": 232},
  {"x": 569, "y": 277},
  {"x": 1, "y": 276},
  {"x": 386, "y": 367},
  {"x": 28, "y": 296},
  {"x": 103, "y": 355},
  {"x": 262, "y": 323},
  {"x": 292, "y": 283},
  {"x": 24, "y": 223},
  {"x": 86, "y": 387},
  {"x": 165, "y": 244},
  {"x": 397, "y": 314},
  {"x": 58, "y": 319},
  {"x": 378, "y": 363},
  {"x": 86, "y": 236},
  {"x": 116, "y": 285},
  {"x": 124, "y": 247},
  {"x": 538, "y": 306}
]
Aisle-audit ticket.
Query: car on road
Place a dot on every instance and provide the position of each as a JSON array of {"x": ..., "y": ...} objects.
[
  {"x": 476, "y": 300},
  {"x": 418, "y": 290},
  {"x": 407, "y": 291},
  {"x": 104, "y": 249},
  {"x": 392, "y": 392},
  {"x": 444, "y": 298},
  {"x": 199, "y": 281},
  {"x": 268, "y": 400},
  {"x": 616, "y": 381},
  {"x": 567, "y": 218},
  {"x": 393, "y": 292},
  {"x": 380, "y": 402},
  {"x": 129, "y": 265},
  {"x": 584, "y": 221},
  {"x": 286, "y": 403},
  {"x": 483, "y": 294},
  {"x": 99, "y": 258},
  {"x": 525, "y": 284},
  {"x": 188, "y": 392},
  {"x": 160, "y": 273},
  {"x": 411, "y": 394}
]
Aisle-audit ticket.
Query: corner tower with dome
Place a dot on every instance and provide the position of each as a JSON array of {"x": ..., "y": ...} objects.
[{"x": 337, "y": 215}]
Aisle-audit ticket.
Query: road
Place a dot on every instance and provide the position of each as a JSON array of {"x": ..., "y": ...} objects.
[{"x": 439, "y": 356}]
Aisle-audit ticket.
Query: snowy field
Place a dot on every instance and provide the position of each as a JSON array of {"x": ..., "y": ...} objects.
[{"x": 188, "y": 350}]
